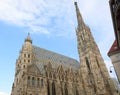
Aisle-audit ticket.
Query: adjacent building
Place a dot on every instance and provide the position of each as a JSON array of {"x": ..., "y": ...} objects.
[
  {"x": 43, "y": 72},
  {"x": 114, "y": 52}
]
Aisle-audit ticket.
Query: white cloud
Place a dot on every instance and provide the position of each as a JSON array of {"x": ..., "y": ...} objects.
[
  {"x": 53, "y": 17},
  {"x": 37, "y": 16},
  {"x": 4, "y": 93}
]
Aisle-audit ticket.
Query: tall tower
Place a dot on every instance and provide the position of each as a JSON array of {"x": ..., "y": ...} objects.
[
  {"x": 96, "y": 79},
  {"x": 24, "y": 60}
]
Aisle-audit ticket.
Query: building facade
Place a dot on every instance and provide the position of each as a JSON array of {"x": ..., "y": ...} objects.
[
  {"x": 114, "y": 52},
  {"x": 42, "y": 72}
]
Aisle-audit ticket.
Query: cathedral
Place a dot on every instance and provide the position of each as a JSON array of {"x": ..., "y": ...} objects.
[{"x": 43, "y": 72}]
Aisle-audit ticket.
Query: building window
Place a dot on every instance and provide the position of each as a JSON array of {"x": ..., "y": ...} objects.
[
  {"x": 46, "y": 74},
  {"x": 53, "y": 89},
  {"x": 48, "y": 88},
  {"x": 66, "y": 90},
  {"x": 50, "y": 75},
  {"x": 28, "y": 81},
  {"x": 28, "y": 55},
  {"x": 41, "y": 82},
  {"x": 24, "y": 66},
  {"x": 38, "y": 82},
  {"x": 87, "y": 63},
  {"x": 77, "y": 93},
  {"x": 24, "y": 55},
  {"x": 33, "y": 81},
  {"x": 28, "y": 61}
]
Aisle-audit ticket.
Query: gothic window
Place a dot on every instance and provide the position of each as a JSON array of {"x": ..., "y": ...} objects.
[
  {"x": 66, "y": 90},
  {"x": 24, "y": 60},
  {"x": 33, "y": 81},
  {"x": 87, "y": 63},
  {"x": 50, "y": 75},
  {"x": 24, "y": 66},
  {"x": 97, "y": 62},
  {"x": 28, "y": 55},
  {"x": 17, "y": 80},
  {"x": 53, "y": 89},
  {"x": 24, "y": 55},
  {"x": 62, "y": 77},
  {"x": 48, "y": 88},
  {"x": 54, "y": 76},
  {"x": 41, "y": 82},
  {"x": 28, "y": 61},
  {"x": 61, "y": 87},
  {"x": 38, "y": 82},
  {"x": 28, "y": 80},
  {"x": 77, "y": 93},
  {"x": 46, "y": 74}
]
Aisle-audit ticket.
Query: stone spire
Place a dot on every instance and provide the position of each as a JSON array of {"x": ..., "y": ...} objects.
[
  {"x": 94, "y": 73},
  {"x": 79, "y": 17},
  {"x": 28, "y": 39}
]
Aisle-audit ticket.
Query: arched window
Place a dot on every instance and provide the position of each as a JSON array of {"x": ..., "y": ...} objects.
[
  {"x": 38, "y": 82},
  {"x": 46, "y": 74},
  {"x": 62, "y": 77},
  {"x": 17, "y": 80},
  {"x": 24, "y": 55},
  {"x": 28, "y": 55},
  {"x": 33, "y": 81},
  {"x": 50, "y": 75},
  {"x": 77, "y": 93},
  {"x": 28, "y": 81},
  {"x": 24, "y": 66},
  {"x": 87, "y": 63},
  {"x": 61, "y": 87},
  {"x": 41, "y": 82},
  {"x": 28, "y": 61},
  {"x": 48, "y": 88},
  {"x": 66, "y": 90},
  {"x": 53, "y": 89}
]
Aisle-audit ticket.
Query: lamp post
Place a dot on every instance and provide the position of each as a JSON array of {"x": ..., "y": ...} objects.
[
  {"x": 115, "y": 83},
  {"x": 114, "y": 71},
  {"x": 110, "y": 69}
]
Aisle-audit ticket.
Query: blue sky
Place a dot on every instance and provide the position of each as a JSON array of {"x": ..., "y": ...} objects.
[{"x": 52, "y": 26}]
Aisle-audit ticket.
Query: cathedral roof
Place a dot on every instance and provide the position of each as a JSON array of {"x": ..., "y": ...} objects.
[
  {"x": 41, "y": 56},
  {"x": 114, "y": 49}
]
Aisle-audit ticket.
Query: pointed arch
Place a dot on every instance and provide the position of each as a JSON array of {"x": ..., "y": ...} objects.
[
  {"x": 41, "y": 82},
  {"x": 33, "y": 81},
  {"x": 48, "y": 88},
  {"x": 28, "y": 81},
  {"x": 38, "y": 81},
  {"x": 87, "y": 63},
  {"x": 77, "y": 93},
  {"x": 97, "y": 62},
  {"x": 66, "y": 90},
  {"x": 53, "y": 88}
]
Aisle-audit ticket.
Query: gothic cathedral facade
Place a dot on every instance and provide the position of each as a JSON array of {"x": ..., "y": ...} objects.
[{"x": 43, "y": 72}]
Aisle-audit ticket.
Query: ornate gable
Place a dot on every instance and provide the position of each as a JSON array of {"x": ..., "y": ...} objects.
[{"x": 33, "y": 69}]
